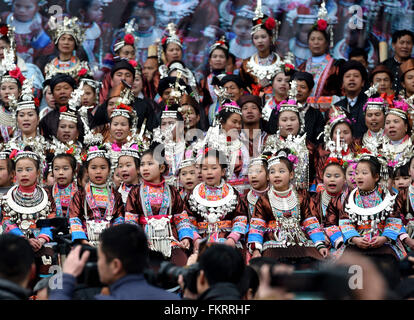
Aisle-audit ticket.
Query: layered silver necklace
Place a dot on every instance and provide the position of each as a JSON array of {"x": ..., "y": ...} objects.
[{"x": 283, "y": 200}]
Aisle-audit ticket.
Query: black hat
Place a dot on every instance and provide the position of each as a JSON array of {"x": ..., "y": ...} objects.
[
  {"x": 235, "y": 78},
  {"x": 353, "y": 65},
  {"x": 122, "y": 64},
  {"x": 250, "y": 98},
  {"x": 164, "y": 84},
  {"x": 61, "y": 77},
  {"x": 305, "y": 76}
]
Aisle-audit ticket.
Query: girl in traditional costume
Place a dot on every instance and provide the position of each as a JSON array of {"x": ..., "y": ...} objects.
[
  {"x": 290, "y": 124},
  {"x": 337, "y": 137},
  {"x": 128, "y": 166},
  {"x": 63, "y": 190},
  {"x": 26, "y": 203},
  {"x": 258, "y": 180},
  {"x": 158, "y": 208},
  {"x": 215, "y": 207},
  {"x": 370, "y": 219},
  {"x": 375, "y": 110},
  {"x": 11, "y": 86},
  {"x": 333, "y": 192},
  {"x": 281, "y": 213},
  {"x": 98, "y": 205},
  {"x": 188, "y": 177}
]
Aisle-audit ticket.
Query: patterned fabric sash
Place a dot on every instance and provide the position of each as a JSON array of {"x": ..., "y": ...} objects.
[
  {"x": 150, "y": 195},
  {"x": 94, "y": 207},
  {"x": 63, "y": 194}
]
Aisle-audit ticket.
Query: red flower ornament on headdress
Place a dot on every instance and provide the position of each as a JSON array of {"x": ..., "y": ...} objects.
[
  {"x": 17, "y": 74},
  {"x": 129, "y": 39},
  {"x": 36, "y": 102},
  {"x": 4, "y": 30},
  {"x": 13, "y": 154},
  {"x": 124, "y": 106},
  {"x": 133, "y": 63},
  {"x": 270, "y": 23},
  {"x": 82, "y": 72},
  {"x": 63, "y": 109},
  {"x": 322, "y": 25}
]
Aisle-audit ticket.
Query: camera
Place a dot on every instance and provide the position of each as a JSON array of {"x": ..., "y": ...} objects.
[
  {"x": 60, "y": 231},
  {"x": 327, "y": 283},
  {"x": 165, "y": 275}
]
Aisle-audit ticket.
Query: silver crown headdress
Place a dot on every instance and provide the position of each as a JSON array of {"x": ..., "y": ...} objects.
[
  {"x": 59, "y": 147},
  {"x": 8, "y": 64},
  {"x": 66, "y": 26},
  {"x": 187, "y": 163},
  {"x": 26, "y": 97},
  {"x": 172, "y": 35},
  {"x": 128, "y": 30},
  {"x": 219, "y": 44},
  {"x": 90, "y": 138}
]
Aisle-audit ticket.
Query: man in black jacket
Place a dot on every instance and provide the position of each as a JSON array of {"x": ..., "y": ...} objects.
[
  {"x": 402, "y": 43},
  {"x": 354, "y": 76},
  {"x": 221, "y": 268},
  {"x": 17, "y": 265}
]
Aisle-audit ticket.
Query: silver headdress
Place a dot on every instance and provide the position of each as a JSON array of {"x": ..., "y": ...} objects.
[
  {"x": 7, "y": 65},
  {"x": 38, "y": 145},
  {"x": 219, "y": 44},
  {"x": 74, "y": 101},
  {"x": 299, "y": 156},
  {"x": 187, "y": 163},
  {"x": 374, "y": 103},
  {"x": 258, "y": 161},
  {"x": 59, "y": 147},
  {"x": 97, "y": 152},
  {"x": 26, "y": 97},
  {"x": 90, "y": 138},
  {"x": 336, "y": 117},
  {"x": 172, "y": 35},
  {"x": 67, "y": 26},
  {"x": 127, "y": 40}
]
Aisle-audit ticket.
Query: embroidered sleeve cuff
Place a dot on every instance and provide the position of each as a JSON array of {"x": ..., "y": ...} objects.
[
  {"x": 45, "y": 237},
  {"x": 235, "y": 236},
  {"x": 403, "y": 236}
]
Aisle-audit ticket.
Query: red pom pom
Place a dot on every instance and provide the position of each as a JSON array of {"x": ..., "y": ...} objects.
[
  {"x": 270, "y": 23},
  {"x": 70, "y": 151},
  {"x": 133, "y": 63},
  {"x": 63, "y": 109},
  {"x": 129, "y": 39},
  {"x": 259, "y": 21},
  {"x": 322, "y": 25},
  {"x": 289, "y": 67},
  {"x": 36, "y": 102},
  {"x": 4, "y": 30},
  {"x": 163, "y": 40},
  {"x": 125, "y": 107},
  {"x": 82, "y": 72},
  {"x": 13, "y": 154}
]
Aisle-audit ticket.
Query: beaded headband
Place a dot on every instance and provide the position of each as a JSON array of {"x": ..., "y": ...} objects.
[
  {"x": 275, "y": 160},
  {"x": 95, "y": 152},
  {"x": 7, "y": 78},
  {"x": 257, "y": 161},
  {"x": 219, "y": 44},
  {"x": 122, "y": 110},
  {"x": 4, "y": 155},
  {"x": 169, "y": 114},
  {"x": 130, "y": 152},
  {"x": 26, "y": 154},
  {"x": 231, "y": 107},
  {"x": 187, "y": 163},
  {"x": 172, "y": 36},
  {"x": 399, "y": 109}
]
